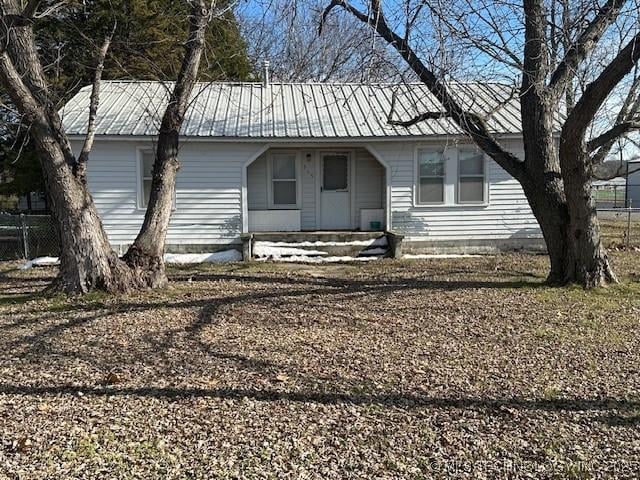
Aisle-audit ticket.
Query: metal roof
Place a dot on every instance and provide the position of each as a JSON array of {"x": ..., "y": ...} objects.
[{"x": 289, "y": 110}]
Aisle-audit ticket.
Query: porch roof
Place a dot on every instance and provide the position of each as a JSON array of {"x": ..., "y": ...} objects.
[{"x": 290, "y": 110}]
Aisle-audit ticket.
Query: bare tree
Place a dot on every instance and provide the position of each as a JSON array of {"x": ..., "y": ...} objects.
[
  {"x": 87, "y": 260},
  {"x": 545, "y": 50},
  {"x": 283, "y": 32}
]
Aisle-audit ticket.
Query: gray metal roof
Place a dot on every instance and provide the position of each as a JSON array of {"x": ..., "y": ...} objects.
[{"x": 289, "y": 110}]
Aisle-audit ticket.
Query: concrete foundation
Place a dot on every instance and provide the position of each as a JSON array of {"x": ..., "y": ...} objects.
[{"x": 534, "y": 245}]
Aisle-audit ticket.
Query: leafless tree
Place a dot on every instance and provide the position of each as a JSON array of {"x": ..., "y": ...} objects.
[
  {"x": 543, "y": 44},
  {"x": 284, "y": 32},
  {"x": 87, "y": 260}
]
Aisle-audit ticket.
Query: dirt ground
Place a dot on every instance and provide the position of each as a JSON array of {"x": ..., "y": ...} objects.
[{"x": 460, "y": 368}]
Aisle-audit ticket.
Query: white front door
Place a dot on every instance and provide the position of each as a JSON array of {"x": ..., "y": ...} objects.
[{"x": 335, "y": 196}]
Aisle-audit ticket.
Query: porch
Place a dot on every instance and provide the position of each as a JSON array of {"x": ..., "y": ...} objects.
[{"x": 313, "y": 189}]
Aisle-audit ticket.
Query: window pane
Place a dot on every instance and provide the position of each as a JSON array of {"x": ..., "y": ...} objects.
[
  {"x": 471, "y": 163},
  {"x": 431, "y": 190},
  {"x": 147, "y": 164},
  {"x": 431, "y": 163},
  {"x": 284, "y": 193},
  {"x": 146, "y": 192},
  {"x": 284, "y": 167},
  {"x": 336, "y": 172},
  {"x": 471, "y": 189}
]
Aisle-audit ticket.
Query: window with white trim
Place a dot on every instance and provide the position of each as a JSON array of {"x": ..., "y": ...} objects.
[
  {"x": 284, "y": 180},
  {"x": 471, "y": 177},
  {"x": 431, "y": 177},
  {"x": 146, "y": 172}
]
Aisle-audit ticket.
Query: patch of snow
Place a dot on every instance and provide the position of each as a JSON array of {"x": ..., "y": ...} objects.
[
  {"x": 374, "y": 242},
  {"x": 307, "y": 259},
  {"x": 410, "y": 256},
  {"x": 40, "y": 262},
  {"x": 266, "y": 250},
  {"x": 172, "y": 258},
  {"x": 215, "y": 257}
]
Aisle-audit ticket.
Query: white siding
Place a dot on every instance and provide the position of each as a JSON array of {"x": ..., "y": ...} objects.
[
  {"x": 309, "y": 172},
  {"x": 370, "y": 182},
  {"x": 257, "y": 198},
  {"x": 208, "y": 197},
  {"x": 209, "y": 189},
  {"x": 506, "y": 216}
]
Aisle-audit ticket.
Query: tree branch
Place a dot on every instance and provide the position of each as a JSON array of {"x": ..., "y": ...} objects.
[
  {"x": 166, "y": 163},
  {"x": 584, "y": 44},
  {"x": 417, "y": 119},
  {"x": 18, "y": 91},
  {"x": 346, "y": 6},
  {"x": 613, "y": 134},
  {"x": 472, "y": 124},
  {"x": 597, "y": 91},
  {"x": 31, "y": 8},
  {"x": 81, "y": 165},
  {"x": 611, "y": 170}
]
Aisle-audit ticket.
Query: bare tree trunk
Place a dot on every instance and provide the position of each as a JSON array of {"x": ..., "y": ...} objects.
[
  {"x": 587, "y": 260},
  {"x": 87, "y": 260},
  {"x": 145, "y": 256},
  {"x": 588, "y": 263},
  {"x": 549, "y": 207},
  {"x": 542, "y": 182}
]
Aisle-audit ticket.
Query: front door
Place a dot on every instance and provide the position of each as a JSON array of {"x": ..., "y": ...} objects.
[{"x": 335, "y": 197}]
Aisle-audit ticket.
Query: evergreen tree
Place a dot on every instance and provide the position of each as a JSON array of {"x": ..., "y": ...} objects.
[{"x": 147, "y": 45}]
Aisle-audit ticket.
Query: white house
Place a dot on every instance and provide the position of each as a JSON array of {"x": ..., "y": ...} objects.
[
  {"x": 633, "y": 184},
  {"x": 288, "y": 157}
]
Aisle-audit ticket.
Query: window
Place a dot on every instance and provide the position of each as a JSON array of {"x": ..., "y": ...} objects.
[
  {"x": 431, "y": 176},
  {"x": 284, "y": 185},
  {"x": 146, "y": 172},
  {"x": 335, "y": 175},
  {"x": 471, "y": 184}
]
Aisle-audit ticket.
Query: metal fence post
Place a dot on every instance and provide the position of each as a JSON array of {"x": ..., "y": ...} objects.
[
  {"x": 629, "y": 226},
  {"x": 25, "y": 239}
]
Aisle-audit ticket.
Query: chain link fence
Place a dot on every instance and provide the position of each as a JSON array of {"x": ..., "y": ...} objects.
[
  {"x": 611, "y": 195},
  {"x": 620, "y": 227},
  {"x": 27, "y": 237}
]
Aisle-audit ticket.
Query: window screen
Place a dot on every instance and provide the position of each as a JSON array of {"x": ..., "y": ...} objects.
[
  {"x": 284, "y": 179},
  {"x": 147, "y": 175},
  {"x": 431, "y": 172},
  {"x": 335, "y": 172},
  {"x": 471, "y": 177}
]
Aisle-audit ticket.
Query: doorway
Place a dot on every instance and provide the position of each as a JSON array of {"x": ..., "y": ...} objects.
[{"x": 335, "y": 191}]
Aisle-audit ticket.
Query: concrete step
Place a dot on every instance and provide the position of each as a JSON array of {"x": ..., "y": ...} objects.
[
  {"x": 321, "y": 244},
  {"x": 303, "y": 237}
]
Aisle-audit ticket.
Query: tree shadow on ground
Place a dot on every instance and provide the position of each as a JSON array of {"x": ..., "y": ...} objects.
[
  {"x": 309, "y": 286},
  {"x": 620, "y": 420},
  {"x": 408, "y": 401},
  {"x": 209, "y": 307}
]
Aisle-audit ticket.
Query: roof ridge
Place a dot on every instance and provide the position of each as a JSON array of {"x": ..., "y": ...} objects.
[{"x": 260, "y": 84}]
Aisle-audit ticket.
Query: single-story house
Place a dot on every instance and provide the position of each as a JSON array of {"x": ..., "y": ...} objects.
[{"x": 304, "y": 157}]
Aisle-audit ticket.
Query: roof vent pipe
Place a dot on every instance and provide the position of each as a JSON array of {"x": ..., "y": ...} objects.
[{"x": 265, "y": 73}]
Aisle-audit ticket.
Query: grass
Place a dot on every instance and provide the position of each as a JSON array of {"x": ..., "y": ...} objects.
[
  {"x": 394, "y": 369},
  {"x": 615, "y": 229}
]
